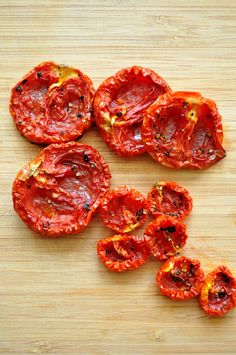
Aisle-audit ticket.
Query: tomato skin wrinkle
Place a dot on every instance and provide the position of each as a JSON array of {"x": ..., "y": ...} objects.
[
  {"x": 58, "y": 192},
  {"x": 123, "y": 209},
  {"x": 169, "y": 198},
  {"x": 165, "y": 237},
  {"x": 218, "y": 294},
  {"x": 119, "y": 105},
  {"x": 122, "y": 252},
  {"x": 47, "y": 105},
  {"x": 183, "y": 130},
  {"x": 180, "y": 278}
]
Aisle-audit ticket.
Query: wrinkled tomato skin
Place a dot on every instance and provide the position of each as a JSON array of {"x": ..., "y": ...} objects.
[
  {"x": 171, "y": 199},
  {"x": 180, "y": 278},
  {"x": 218, "y": 294},
  {"x": 122, "y": 252},
  {"x": 59, "y": 191},
  {"x": 52, "y": 104},
  {"x": 123, "y": 209},
  {"x": 165, "y": 237},
  {"x": 184, "y": 130},
  {"x": 119, "y": 105}
]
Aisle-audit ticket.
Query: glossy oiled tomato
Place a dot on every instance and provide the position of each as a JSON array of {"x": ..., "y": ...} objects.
[
  {"x": 170, "y": 199},
  {"x": 180, "y": 278},
  {"x": 165, "y": 237},
  {"x": 122, "y": 252},
  {"x": 218, "y": 294},
  {"x": 59, "y": 191},
  {"x": 123, "y": 209},
  {"x": 183, "y": 130},
  {"x": 119, "y": 105},
  {"x": 52, "y": 104}
]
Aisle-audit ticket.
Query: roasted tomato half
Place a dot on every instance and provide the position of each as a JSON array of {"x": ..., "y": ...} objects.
[
  {"x": 58, "y": 192},
  {"x": 170, "y": 199},
  {"x": 180, "y": 278},
  {"x": 52, "y": 104},
  {"x": 122, "y": 252},
  {"x": 119, "y": 105},
  {"x": 165, "y": 237},
  {"x": 123, "y": 209},
  {"x": 183, "y": 130},
  {"x": 218, "y": 294}
]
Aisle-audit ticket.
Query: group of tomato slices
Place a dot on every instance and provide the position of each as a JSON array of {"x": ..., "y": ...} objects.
[
  {"x": 59, "y": 191},
  {"x": 135, "y": 111}
]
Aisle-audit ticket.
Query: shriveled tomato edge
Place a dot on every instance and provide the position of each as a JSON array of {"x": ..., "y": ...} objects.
[
  {"x": 175, "y": 187},
  {"x": 203, "y": 297},
  {"x": 163, "y": 101},
  {"x": 23, "y": 175},
  {"x": 155, "y": 225},
  {"x": 126, "y": 265},
  {"x": 45, "y": 139},
  {"x": 178, "y": 295},
  {"x": 121, "y": 191}
]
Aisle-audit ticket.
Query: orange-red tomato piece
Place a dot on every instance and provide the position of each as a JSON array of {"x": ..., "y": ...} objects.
[
  {"x": 119, "y": 105},
  {"x": 171, "y": 199},
  {"x": 59, "y": 191},
  {"x": 218, "y": 294},
  {"x": 122, "y": 252},
  {"x": 123, "y": 209},
  {"x": 52, "y": 104},
  {"x": 183, "y": 130},
  {"x": 165, "y": 237},
  {"x": 180, "y": 278}
]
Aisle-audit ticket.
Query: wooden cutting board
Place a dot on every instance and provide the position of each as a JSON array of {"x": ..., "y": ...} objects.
[{"x": 55, "y": 296}]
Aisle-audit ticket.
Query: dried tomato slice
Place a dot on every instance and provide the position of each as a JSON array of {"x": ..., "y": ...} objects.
[
  {"x": 180, "y": 278},
  {"x": 119, "y": 105},
  {"x": 122, "y": 252},
  {"x": 52, "y": 104},
  {"x": 169, "y": 198},
  {"x": 59, "y": 191},
  {"x": 218, "y": 294},
  {"x": 165, "y": 237},
  {"x": 184, "y": 130},
  {"x": 123, "y": 209}
]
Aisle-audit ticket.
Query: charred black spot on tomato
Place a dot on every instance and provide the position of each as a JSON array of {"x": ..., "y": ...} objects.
[
  {"x": 92, "y": 165},
  {"x": 19, "y": 123},
  {"x": 119, "y": 114},
  {"x": 86, "y": 207},
  {"x": 39, "y": 74},
  {"x": 19, "y": 88},
  {"x": 79, "y": 115},
  {"x": 139, "y": 212},
  {"x": 170, "y": 229},
  {"x": 222, "y": 294},
  {"x": 91, "y": 110},
  {"x": 225, "y": 278},
  {"x": 81, "y": 97},
  {"x": 192, "y": 270},
  {"x": 86, "y": 158},
  {"x": 46, "y": 225},
  {"x": 24, "y": 81},
  {"x": 167, "y": 153}
]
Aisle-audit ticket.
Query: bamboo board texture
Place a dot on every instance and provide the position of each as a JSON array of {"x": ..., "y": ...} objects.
[{"x": 55, "y": 296}]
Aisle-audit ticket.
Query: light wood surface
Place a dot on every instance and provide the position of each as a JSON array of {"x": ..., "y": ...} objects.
[{"x": 55, "y": 296}]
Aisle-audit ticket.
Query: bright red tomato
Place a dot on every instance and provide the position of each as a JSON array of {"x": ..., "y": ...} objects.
[
  {"x": 59, "y": 191},
  {"x": 122, "y": 252},
  {"x": 183, "y": 130},
  {"x": 52, "y": 104}
]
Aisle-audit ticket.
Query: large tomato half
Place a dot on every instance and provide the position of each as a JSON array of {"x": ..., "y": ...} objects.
[
  {"x": 169, "y": 198},
  {"x": 218, "y": 294},
  {"x": 122, "y": 252},
  {"x": 59, "y": 191},
  {"x": 52, "y": 104},
  {"x": 180, "y": 278},
  {"x": 119, "y": 105},
  {"x": 183, "y": 130}
]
